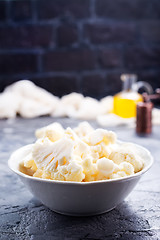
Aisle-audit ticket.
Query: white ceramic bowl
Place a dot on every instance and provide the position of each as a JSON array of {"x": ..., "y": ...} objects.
[{"x": 79, "y": 198}]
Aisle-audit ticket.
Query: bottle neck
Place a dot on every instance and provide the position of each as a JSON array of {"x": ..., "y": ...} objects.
[
  {"x": 128, "y": 81},
  {"x": 127, "y": 85}
]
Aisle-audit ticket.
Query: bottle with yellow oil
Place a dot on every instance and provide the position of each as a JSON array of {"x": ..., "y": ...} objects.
[{"x": 124, "y": 103}]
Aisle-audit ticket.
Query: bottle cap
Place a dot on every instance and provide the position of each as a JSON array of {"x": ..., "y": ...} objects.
[{"x": 144, "y": 117}]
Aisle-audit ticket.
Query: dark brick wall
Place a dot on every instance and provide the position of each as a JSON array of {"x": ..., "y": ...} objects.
[{"x": 79, "y": 45}]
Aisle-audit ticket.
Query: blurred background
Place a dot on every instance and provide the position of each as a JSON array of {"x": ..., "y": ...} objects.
[{"x": 79, "y": 45}]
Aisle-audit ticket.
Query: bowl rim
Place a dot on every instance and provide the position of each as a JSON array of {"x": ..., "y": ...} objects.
[{"x": 141, "y": 172}]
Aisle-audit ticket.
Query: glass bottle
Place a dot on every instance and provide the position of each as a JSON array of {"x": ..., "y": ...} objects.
[{"x": 124, "y": 103}]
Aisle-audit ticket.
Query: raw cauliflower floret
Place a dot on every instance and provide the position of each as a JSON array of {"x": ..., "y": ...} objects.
[
  {"x": 75, "y": 172},
  {"x": 29, "y": 162},
  {"x": 119, "y": 174},
  {"x": 99, "y": 151},
  {"x": 127, "y": 168},
  {"x": 83, "y": 129},
  {"x": 71, "y": 134},
  {"x": 53, "y": 131},
  {"x": 42, "y": 174},
  {"x": 48, "y": 155},
  {"x": 52, "y": 156},
  {"x": 124, "y": 169},
  {"x": 99, "y": 141},
  {"x": 100, "y": 135},
  {"x": 28, "y": 165},
  {"x": 100, "y": 170},
  {"x": 91, "y": 174},
  {"x": 105, "y": 166},
  {"x": 127, "y": 155},
  {"x": 80, "y": 154}
]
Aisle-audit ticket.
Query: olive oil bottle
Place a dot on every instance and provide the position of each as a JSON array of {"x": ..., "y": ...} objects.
[{"x": 124, "y": 103}]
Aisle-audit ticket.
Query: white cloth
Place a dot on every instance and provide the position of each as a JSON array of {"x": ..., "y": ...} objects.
[
  {"x": 28, "y": 100},
  {"x": 111, "y": 120}
]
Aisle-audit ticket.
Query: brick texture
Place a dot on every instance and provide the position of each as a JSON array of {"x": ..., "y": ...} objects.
[
  {"x": 58, "y": 85},
  {"x": 111, "y": 57},
  {"x": 18, "y": 63},
  {"x": 128, "y": 10},
  {"x": 79, "y": 45},
  {"x": 28, "y": 36},
  {"x": 149, "y": 31},
  {"x": 2, "y": 11},
  {"x": 102, "y": 33},
  {"x": 152, "y": 77},
  {"x": 75, "y": 60},
  {"x": 142, "y": 57},
  {"x": 113, "y": 82},
  {"x": 58, "y": 8},
  {"x": 67, "y": 35},
  {"x": 21, "y": 10},
  {"x": 93, "y": 85}
]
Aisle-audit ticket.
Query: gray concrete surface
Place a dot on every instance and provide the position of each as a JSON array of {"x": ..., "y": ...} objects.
[{"x": 24, "y": 217}]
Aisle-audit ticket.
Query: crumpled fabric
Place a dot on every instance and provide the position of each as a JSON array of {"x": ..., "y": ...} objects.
[{"x": 26, "y": 99}]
